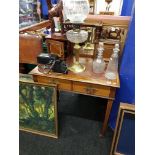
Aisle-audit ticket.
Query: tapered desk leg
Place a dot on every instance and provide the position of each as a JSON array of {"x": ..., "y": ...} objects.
[
  {"x": 35, "y": 79},
  {"x": 107, "y": 113}
]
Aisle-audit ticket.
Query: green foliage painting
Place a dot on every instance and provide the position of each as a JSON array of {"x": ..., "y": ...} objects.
[{"x": 37, "y": 107}]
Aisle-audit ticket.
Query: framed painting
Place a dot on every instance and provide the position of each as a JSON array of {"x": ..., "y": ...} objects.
[
  {"x": 124, "y": 135},
  {"x": 38, "y": 108}
]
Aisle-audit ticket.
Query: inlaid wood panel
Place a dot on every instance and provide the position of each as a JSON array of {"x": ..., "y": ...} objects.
[{"x": 55, "y": 47}]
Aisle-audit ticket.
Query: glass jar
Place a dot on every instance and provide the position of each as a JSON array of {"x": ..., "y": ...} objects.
[
  {"x": 98, "y": 63},
  {"x": 112, "y": 68}
]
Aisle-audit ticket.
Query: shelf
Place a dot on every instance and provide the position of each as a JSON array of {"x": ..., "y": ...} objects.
[{"x": 28, "y": 13}]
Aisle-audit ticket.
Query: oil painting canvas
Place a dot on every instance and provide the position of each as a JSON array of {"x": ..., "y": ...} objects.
[{"x": 38, "y": 108}]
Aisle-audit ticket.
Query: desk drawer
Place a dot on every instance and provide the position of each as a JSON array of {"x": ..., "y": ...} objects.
[
  {"x": 91, "y": 89},
  {"x": 62, "y": 84}
]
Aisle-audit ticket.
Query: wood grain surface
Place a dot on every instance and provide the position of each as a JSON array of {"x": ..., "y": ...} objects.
[{"x": 87, "y": 76}]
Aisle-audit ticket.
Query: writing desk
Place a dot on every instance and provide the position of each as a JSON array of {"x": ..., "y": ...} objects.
[{"x": 87, "y": 83}]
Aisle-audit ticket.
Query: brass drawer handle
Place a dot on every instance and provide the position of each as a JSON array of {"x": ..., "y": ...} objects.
[
  {"x": 93, "y": 91},
  {"x": 90, "y": 90}
]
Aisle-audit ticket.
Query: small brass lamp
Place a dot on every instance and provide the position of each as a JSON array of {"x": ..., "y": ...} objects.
[
  {"x": 77, "y": 36},
  {"x": 76, "y": 11}
]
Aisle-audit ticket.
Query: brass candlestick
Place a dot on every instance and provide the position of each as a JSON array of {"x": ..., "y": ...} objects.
[
  {"x": 89, "y": 45},
  {"x": 76, "y": 67}
]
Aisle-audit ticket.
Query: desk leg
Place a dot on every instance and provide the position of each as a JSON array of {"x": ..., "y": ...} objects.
[
  {"x": 35, "y": 79},
  {"x": 105, "y": 122}
]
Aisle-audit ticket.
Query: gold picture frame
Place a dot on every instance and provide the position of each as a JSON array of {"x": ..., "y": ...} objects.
[
  {"x": 38, "y": 108},
  {"x": 124, "y": 109}
]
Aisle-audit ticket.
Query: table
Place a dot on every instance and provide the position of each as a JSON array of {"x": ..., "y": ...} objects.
[{"x": 87, "y": 83}]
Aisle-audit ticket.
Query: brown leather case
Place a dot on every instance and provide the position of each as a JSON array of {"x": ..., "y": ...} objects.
[{"x": 30, "y": 46}]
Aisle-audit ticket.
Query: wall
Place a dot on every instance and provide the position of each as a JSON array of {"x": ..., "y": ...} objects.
[
  {"x": 116, "y": 6},
  {"x": 126, "y": 93}
]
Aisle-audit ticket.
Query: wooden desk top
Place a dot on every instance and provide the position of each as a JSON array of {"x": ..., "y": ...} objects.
[
  {"x": 109, "y": 20},
  {"x": 100, "y": 20},
  {"x": 87, "y": 76}
]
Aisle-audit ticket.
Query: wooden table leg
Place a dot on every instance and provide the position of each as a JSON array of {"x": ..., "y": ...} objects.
[
  {"x": 105, "y": 122},
  {"x": 35, "y": 79}
]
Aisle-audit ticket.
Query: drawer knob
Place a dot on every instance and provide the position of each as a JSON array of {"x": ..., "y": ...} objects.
[{"x": 90, "y": 90}]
